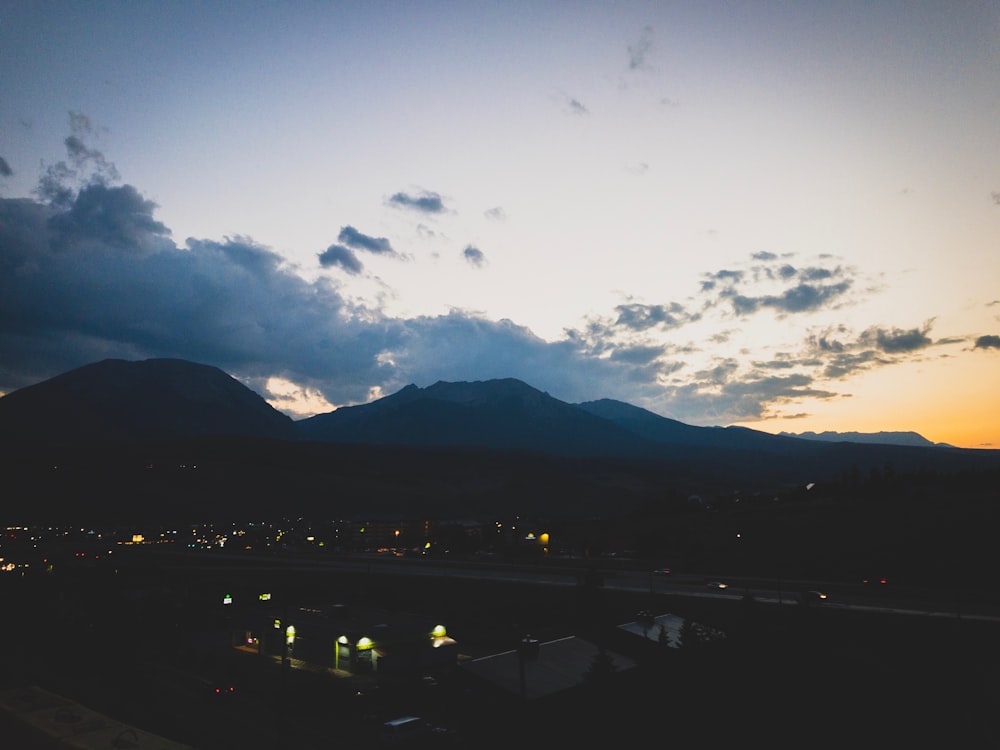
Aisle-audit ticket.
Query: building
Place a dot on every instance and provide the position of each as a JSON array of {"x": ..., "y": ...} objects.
[{"x": 349, "y": 640}]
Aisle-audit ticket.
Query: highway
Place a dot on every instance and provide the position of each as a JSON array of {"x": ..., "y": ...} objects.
[{"x": 871, "y": 596}]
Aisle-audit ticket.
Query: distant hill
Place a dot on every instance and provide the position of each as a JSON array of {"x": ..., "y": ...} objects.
[
  {"x": 871, "y": 438},
  {"x": 155, "y": 399},
  {"x": 671, "y": 432}
]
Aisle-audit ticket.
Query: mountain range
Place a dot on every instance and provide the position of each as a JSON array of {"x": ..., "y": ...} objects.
[{"x": 449, "y": 438}]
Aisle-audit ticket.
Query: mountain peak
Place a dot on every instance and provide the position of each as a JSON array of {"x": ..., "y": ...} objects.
[{"x": 117, "y": 399}]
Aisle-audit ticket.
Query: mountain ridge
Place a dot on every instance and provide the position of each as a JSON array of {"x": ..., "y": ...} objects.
[{"x": 138, "y": 430}]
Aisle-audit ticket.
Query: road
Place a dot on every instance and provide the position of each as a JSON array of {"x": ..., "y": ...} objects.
[{"x": 869, "y": 596}]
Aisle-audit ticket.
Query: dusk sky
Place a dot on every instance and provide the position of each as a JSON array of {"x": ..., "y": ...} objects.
[{"x": 779, "y": 215}]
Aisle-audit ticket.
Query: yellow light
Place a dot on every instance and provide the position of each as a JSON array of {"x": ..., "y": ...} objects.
[
  {"x": 439, "y": 631},
  {"x": 365, "y": 643},
  {"x": 290, "y": 635},
  {"x": 343, "y": 640}
]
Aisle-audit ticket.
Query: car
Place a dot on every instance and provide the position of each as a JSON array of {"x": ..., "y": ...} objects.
[
  {"x": 807, "y": 597},
  {"x": 717, "y": 584},
  {"x": 221, "y": 688},
  {"x": 662, "y": 571}
]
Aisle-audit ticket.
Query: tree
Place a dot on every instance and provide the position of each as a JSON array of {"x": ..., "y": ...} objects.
[
  {"x": 689, "y": 637},
  {"x": 664, "y": 636}
]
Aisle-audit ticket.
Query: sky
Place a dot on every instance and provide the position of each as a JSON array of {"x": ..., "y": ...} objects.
[{"x": 778, "y": 215}]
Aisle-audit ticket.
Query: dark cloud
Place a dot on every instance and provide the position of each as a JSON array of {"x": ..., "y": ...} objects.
[
  {"x": 87, "y": 166},
  {"x": 845, "y": 363},
  {"x": 995, "y": 195},
  {"x": 637, "y": 52},
  {"x": 725, "y": 399},
  {"x": 114, "y": 216},
  {"x": 102, "y": 278},
  {"x": 638, "y": 355},
  {"x": 497, "y": 214},
  {"x": 896, "y": 341},
  {"x": 94, "y": 275},
  {"x": 786, "y": 271},
  {"x": 352, "y": 238},
  {"x": 816, "y": 274},
  {"x": 426, "y": 202},
  {"x": 5, "y": 170},
  {"x": 803, "y": 290},
  {"x": 840, "y": 353},
  {"x": 474, "y": 256},
  {"x": 640, "y": 317},
  {"x": 801, "y": 298},
  {"x": 988, "y": 342},
  {"x": 726, "y": 276},
  {"x": 341, "y": 257}
]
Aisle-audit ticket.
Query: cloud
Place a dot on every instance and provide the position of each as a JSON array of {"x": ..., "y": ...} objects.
[
  {"x": 113, "y": 216},
  {"x": 352, "y": 238},
  {"x": 995, "y": 195},
  {"x": 641, "y": 317},
  {"x": 426, "y": 202},
  {"x": 988, "y": 342},
  {"x": 723, "y": 399},
  {"x": 570, "y": 104},
  {"x": 895, "y": 341},
  {"x": 60, "y": 182},
  {"x": 638, "y": 52},
  {"x": 96, "y": 275},
  {"x": 341, "y": 257},
  {"x": 796, "y": 289},
  {"x": 496, "y": 214},
  {"x": 840, "y": 353},
  {"x": 801, "y": 298},
  {"x": 102, "y": 278},
  {"x": 5, "y": 170},
  {"x": 474, "y": 256}
]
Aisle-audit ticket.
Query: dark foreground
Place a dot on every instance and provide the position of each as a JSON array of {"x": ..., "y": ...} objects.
[{"x": 137, "y": 642}]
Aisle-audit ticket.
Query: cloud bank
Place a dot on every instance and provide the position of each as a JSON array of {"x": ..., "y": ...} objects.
[{"x": 88, "y": 272}]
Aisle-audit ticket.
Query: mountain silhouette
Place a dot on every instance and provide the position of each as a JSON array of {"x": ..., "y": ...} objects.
[
  {"x": 504, "y": 414},
  {"x": 116, "y": 400},
  {"x": 134, "y": 429}
]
